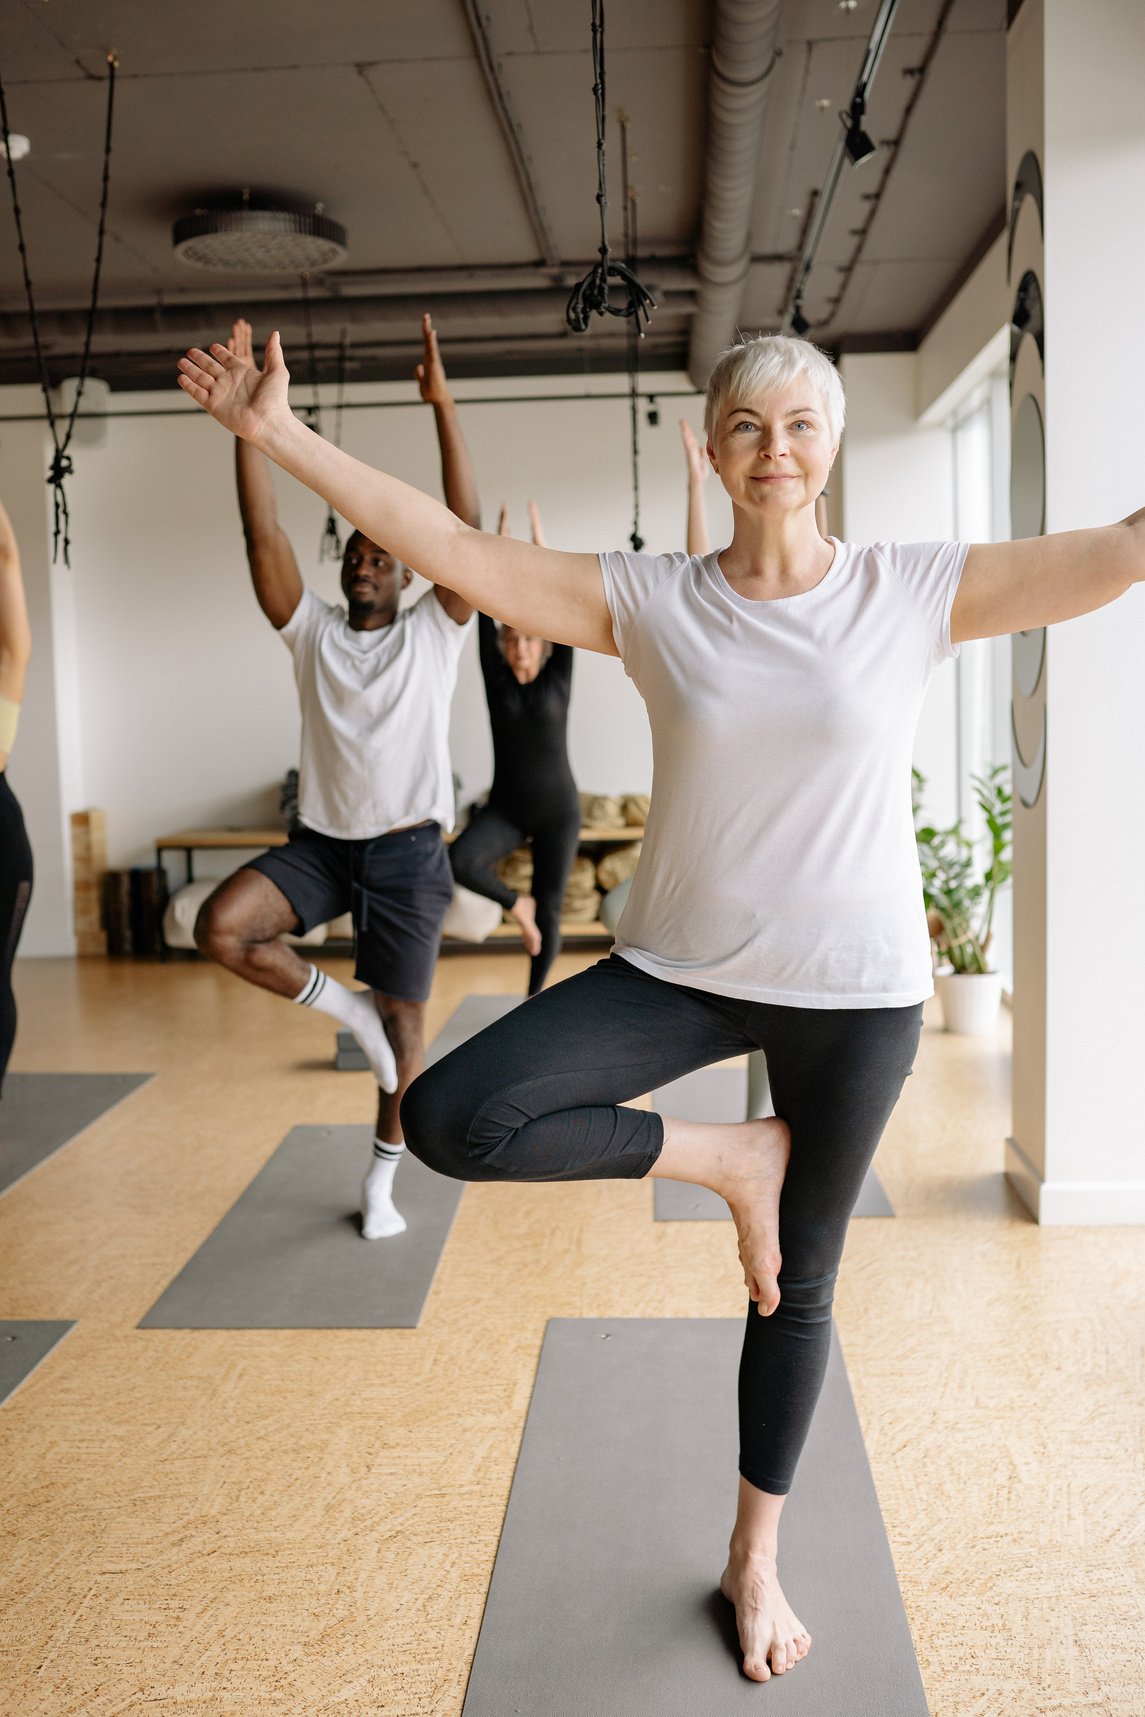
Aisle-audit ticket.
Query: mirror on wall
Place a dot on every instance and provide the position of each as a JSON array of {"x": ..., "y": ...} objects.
[{"x": 1028, "y": 471}]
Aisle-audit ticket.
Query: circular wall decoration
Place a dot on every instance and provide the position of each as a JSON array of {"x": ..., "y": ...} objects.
[{"x": 1028, "y": 471}]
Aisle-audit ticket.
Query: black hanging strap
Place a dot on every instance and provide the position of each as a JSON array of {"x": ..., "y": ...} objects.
[
  {"x": 330, "y": 542},
  {"x": 634, "y": 337},
  {"x": 330, "y": 548},
  {"x": 590, "y": 295},
  {"x": 61, "y": 466}
]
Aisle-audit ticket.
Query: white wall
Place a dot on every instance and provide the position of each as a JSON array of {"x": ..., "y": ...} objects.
[
  {"x": 898, "y": 485},
  {"x": 969, "y": 341},
  {"x": 1095, "y": 808},
  {"x": 186, "y": 707}
]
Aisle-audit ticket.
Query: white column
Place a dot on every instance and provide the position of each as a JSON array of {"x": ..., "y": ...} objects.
[{"x": 1074, "y": 106}]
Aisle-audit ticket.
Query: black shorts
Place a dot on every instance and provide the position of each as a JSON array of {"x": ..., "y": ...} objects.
[{"x": 398, "y": 887}]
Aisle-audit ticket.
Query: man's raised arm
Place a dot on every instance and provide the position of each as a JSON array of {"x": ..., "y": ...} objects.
[
  {"x": 458, "y": 478},
  {"x": 273, "y": 568},
  {"x": 537, "y": 590}
]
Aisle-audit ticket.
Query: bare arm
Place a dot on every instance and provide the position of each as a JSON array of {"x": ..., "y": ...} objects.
[
  {"x": 15, "y": 633},
  {"x": 458, "y": 478},
  {"x": 273, "y": 568},
  {"x": 537, "y": 590},
  {"x": 1037, "y": 581},
  {"x": 698, "y": 541}
]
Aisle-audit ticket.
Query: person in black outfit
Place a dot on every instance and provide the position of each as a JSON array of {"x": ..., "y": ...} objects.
[
  {"x": 527, "y": 685},
  {"x": 15, "y": 851}
]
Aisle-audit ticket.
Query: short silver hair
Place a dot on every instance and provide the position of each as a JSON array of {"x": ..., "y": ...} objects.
[{"x": 767, "y": 362}]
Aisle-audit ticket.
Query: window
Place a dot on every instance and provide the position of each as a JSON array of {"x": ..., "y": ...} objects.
[{"x": 980, "y": 446}]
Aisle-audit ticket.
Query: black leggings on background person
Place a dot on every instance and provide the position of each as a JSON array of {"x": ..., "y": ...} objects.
[
  {"x": 15, "y": 893},
  {"x": 553, "y": 829},
  {"x": 535, "y": 1098}
]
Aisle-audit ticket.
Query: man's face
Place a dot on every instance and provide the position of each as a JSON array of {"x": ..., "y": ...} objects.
[{"x": 372, "y": 580}]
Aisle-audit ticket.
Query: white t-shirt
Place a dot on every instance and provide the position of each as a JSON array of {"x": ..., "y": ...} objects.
[
  {"x": 779, "y": 860},
  {"x": 375, "y": 717}
]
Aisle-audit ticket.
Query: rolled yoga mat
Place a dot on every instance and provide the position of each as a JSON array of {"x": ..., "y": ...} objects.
[
  {"x": 604, "y": 1593},
  {"x": 24, "y": 1342},
  {"x": 40, "y": 1112},
  {"x": 290, "y": 1255},
  {"x": 720, "y": 1094}
]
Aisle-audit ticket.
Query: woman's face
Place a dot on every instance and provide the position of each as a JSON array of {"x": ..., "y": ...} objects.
[
  {"x": 524, "y": 655},
  {"x": 774, "y": 452}
]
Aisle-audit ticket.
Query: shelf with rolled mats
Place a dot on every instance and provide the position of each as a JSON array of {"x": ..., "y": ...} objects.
[{"x": 575, "y": 933}]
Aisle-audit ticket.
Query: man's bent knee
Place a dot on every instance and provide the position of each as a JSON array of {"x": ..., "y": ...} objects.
[{"x": 212, "y": 937}]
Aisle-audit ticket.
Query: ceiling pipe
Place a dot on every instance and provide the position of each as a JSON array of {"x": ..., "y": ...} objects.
[
  {"x": 190, "y": 324},
  {"x": 744, "y": 52}
]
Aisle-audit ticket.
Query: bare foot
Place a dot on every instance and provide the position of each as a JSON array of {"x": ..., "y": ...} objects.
[
  {"x": 750, "y": 1178},
  {"x": 524, "y": 910},
  {"x": 771, "y": 1636}
]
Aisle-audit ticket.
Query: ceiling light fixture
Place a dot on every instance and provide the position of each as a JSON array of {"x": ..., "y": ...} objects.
[
  {"x": 259, "y": 239},
  {"x": 800, "y": 326},
  {"x": 856, "y": 141},
  {"x": 16, "y": 147}
]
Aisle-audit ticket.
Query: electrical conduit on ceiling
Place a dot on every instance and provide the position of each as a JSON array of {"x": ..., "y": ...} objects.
[{"x": 744, "y": 52}]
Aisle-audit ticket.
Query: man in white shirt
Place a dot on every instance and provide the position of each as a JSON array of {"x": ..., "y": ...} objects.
[{"x": 375, "y": 683}]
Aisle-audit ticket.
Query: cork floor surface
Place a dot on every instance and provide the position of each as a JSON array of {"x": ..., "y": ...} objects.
[{"x": 212, "y": 1523}]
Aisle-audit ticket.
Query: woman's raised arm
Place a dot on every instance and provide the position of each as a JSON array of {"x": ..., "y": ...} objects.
[
  {"x": 1037, "y": 581},
  {"x": 15, "y": 633},
  {"x": 537, "y": 590}
]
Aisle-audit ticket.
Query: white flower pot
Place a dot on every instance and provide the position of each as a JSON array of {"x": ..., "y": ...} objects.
[{"x": 970, "y": 1001}]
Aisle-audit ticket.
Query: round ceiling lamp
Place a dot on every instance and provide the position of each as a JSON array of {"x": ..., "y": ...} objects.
[{"x": 255, "y": 240}]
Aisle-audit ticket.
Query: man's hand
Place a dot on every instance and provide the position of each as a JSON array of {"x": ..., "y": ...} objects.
[
  {"x": 430, "y": 373},
  {"x": 244, "y": 400},
  {"x": 503, "y": 522},
  {"x": 240, "y": 345},
  {"x": 535, "y": 524},
  {"x": 698, "y": 465}
]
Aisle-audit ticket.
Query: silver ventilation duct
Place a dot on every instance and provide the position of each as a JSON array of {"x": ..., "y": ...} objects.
[{"x": 744, "y": 51}]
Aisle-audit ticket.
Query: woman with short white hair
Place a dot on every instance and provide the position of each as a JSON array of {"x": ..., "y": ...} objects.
[{"x": 778, "y": 902}]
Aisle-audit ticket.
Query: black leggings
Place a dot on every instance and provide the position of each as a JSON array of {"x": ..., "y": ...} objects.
[
  {"x": 535, "y": 1097},
  {"x": 15, "y": 893},
  {"x": 491, "y": 835}
]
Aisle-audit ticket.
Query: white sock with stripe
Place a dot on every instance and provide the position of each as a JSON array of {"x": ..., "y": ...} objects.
[
  {"x": 356, "y": 1010},
  {"x": 379, "y": 1218}
]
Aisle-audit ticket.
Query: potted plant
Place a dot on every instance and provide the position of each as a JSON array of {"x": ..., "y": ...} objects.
[{"x": 960, "y": 895}]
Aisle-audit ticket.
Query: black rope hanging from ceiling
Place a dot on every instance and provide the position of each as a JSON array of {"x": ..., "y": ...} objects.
[
  {"x": 635, "y": 538},
  {"x": 61, "y": 466},
  {"x": 330, "y": 548},
  {"x": 330, "y": 543},
  {"x": 590, "y": 295}
]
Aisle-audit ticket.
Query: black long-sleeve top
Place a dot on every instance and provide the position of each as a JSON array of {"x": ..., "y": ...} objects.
[{"x": 530, "y": 744}]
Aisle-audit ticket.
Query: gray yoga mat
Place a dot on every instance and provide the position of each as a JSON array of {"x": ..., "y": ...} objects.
[
  {"x": 39, "y": 1112},
  {"x": 289, "y": 1253},
  {"x": 468, "y": 1018},
  {"x": 23, "y": 1344},
  {"x": 720, "y": 1094},
  {"x": 604, "y": 1594}
]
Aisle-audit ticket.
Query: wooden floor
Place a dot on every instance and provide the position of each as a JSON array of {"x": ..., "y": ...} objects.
[{"x": 304, "y": 1524}]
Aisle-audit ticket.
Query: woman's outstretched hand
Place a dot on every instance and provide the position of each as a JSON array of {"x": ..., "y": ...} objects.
[{"x": 243, "y": 399}]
